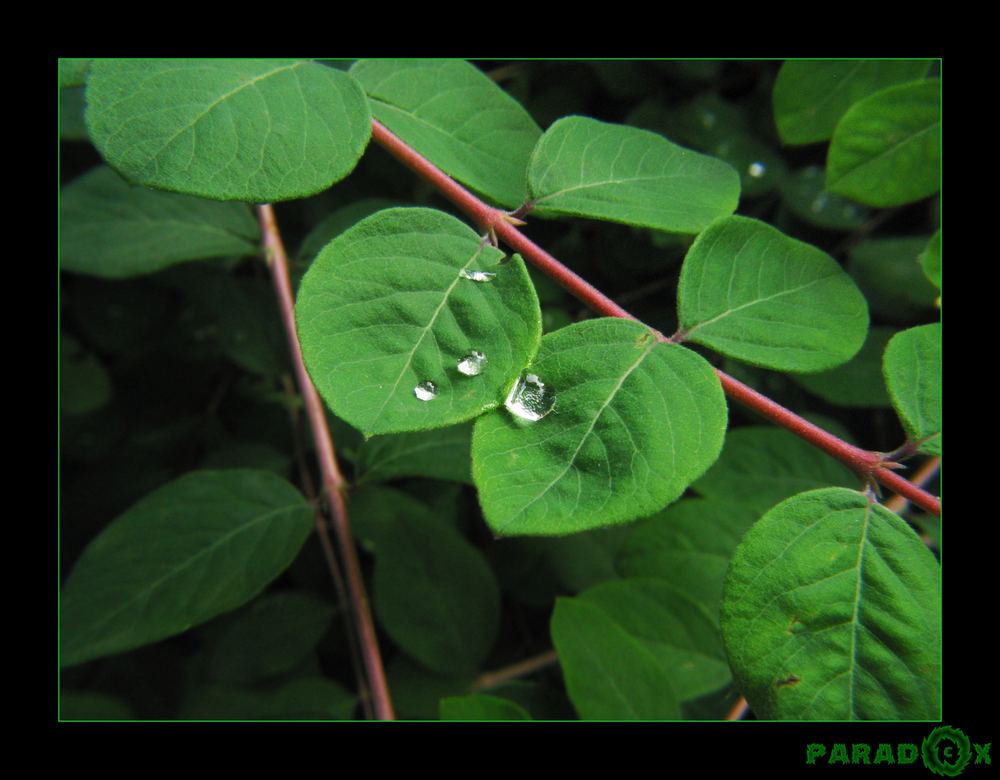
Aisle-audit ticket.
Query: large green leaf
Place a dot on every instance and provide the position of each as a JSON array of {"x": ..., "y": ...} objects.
[
  {"x": 269, "y": 637},
  {"x": 888, "y": 271},
  {"x": 251, "y": 130},
  {"x": 439, "y": 454},
  {"x": 856, "y": 383},
  {"x": 634, "y": 422},
  {"x": 456, "y": 117},
  {"x": 832, "y": 612},
  {"x": 761, "y": 466},
  {"x": 886, "y": 150},
  {"x": 73, "y": 71},
  {"x": 688, "y": 545},
  {"x": 810, "y": 96},
  {"x": 756, "y": 295},
  {"x": 912, "y": 367},
  {"x": 434, "y": 593},
  {"x": 609, "y": 674},
  {"x": 682, "y": 635},
  {"x": 586, "y": 168},
  {"x": 399, "y": 301},
  {"x": 197, "y": 547},
  {"x": 110, "y": 228}
]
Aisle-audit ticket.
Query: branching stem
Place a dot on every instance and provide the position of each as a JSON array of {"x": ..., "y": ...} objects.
[
  {"x": 333, "y": 481},
  {"x": 870, "y": 466}
]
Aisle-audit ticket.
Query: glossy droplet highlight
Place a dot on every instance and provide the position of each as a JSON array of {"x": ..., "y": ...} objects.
[
  {"x": 472, "y": 364},
  {"x": 530, "y": 399},
  {"x": 757, "y": 169},
  {"x": 425, "y": 391},
  {"x": 477, "y": 276}
]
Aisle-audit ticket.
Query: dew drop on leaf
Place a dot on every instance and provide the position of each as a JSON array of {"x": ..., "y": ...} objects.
[
  {"x": 530, "y": 399},
  {"x": 472, "y": 364},
  {"x": 477, "y": 276},
  {"x": 757, "y": 169},
  {"x": 425, "y": 391}
]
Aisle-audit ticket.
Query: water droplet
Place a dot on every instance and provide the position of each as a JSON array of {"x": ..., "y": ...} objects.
[
  {"x": 425, "y": 391},
  {"x": 708, "y": 119},
  {"x": 472, "y": 364},
  {"x": 477, "y": 276},
  {"x": 757, "y": 169},
  {"x": 819, "y": 203},
  {"x": 530, "y": 399}
]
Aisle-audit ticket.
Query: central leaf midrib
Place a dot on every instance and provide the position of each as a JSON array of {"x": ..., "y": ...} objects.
[
  {"x": 583, "y": 438},
  {"x": 423, "y": 334},
  {"x": 754, "y": 302}
]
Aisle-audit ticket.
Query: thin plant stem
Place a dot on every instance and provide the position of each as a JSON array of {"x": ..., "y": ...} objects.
[
  {"x": 924, "y": 475},
  {"x": 514, "y": 671},
  {"x": 871, "y": 466},
  {"x": 332, "y": 478},
  {"x": 309, "y": 488},
  {"x": 739, "y": 710}
]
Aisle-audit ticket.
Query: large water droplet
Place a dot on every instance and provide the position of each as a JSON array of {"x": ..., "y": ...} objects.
[
  {"x": 757, "y": 169},
  {"x": 425, "y": 391},
  {"x": 472, "y": 364},
  {"x": 530, "y": 399},
  {"x": 477, "y": 276}
]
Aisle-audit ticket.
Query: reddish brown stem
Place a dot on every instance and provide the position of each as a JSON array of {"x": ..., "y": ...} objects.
[
  {"x": 333, "y": 480},
  {"x": 739, "y": 710},
  {"x": 512, "y": 672},
  {"x": 492, "y": 220}
]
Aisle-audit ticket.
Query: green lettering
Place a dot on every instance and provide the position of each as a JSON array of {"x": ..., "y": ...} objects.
[
  {"x": 814, "y": 751},
  {"x": 982, "y": 753},
  {"x": 859, "y": 754},
  {"x": 906, "y": 753},
  {"x": 839, "y": 753},
  {"x": 883, "y": 755}
]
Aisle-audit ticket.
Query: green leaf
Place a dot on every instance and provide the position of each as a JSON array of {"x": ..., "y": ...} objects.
[
  {"x": 930, "y": 259},
  {"x": 832, "y": 612},
  {"x": 889, "y": 274},
  {"x": 110, "y": 228},
  {"x": 858, "y": 382},
  {"x": 810, "y": 96},
  {"x": 456, "y": 117},
  {"x": 481, "y": 706},
  {"x": 305, "y": 698},
  {"x": 912, "y": 369},
  {"x": 609, "y": 674},
  {"x": 434, "y": 593},
  {"x": 84, "y": 385},
  {"x": 73, "y": 71},
  {"x": 440, "y": 454},
  {"x": 761, "y": 466},
  {"x": 220, "y": 538},
  {"x": 754, "y": 294},
  {"x": 688, "y": 545},
  {"x": 250, "y": 130},
  {"x": 635, "y": 421},
  {"x": 337, "y": 222},
  {"x": 886, "y": 150},
  {"x": 680, "y": 633},
  {"x": 269, "y": 637},
  {"x": 71, "y": 106},
  {"x": 586, "y": 168},
  {"x": 804, "y": 193},
  {"x": 90, "y": 705},
  {"x": 389, "y": 305}
]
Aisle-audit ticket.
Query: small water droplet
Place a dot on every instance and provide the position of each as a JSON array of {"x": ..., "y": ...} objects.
[
  {"x": 757, "y": 169},
  {"x": 472, "y": 364},
  {"x": 708, "y": 119},
  {"x": 425, "y": 391},
  {"x": 477, "y": 276},
  {"x": 819, "y": 202},
  {"x": 530, "y": 399}
]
